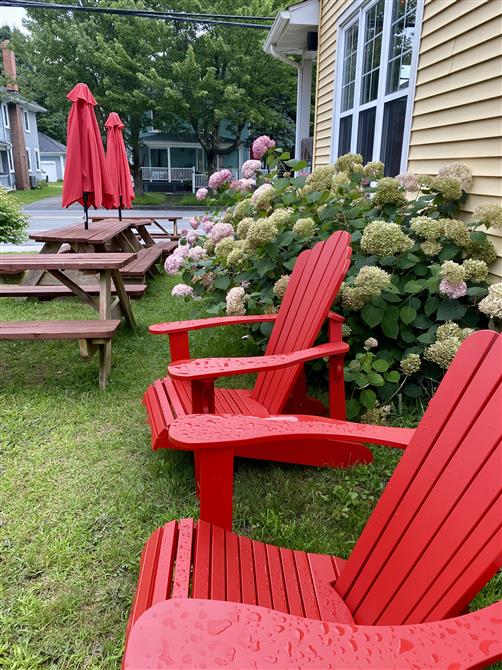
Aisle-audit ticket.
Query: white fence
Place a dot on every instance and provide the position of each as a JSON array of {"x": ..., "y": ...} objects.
[{"x": 177, "y": 174}]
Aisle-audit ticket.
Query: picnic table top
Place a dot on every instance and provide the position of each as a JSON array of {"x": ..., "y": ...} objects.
[
  {"x": 86, "y": 261},
  {"x": 97, "y": 233}
]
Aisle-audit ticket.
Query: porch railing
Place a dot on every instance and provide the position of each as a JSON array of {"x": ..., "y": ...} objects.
[{"x": 199, "y": 180}]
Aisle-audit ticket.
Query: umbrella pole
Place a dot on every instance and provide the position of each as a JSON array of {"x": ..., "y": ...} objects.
[
  {"x": 120, "y": 209},
  {"x": 86, "y": 210}
]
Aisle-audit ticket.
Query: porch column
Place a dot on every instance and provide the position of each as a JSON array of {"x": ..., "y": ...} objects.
[
  {"x": 303, "y": 103},
  {"x": 169, "y": 164}
]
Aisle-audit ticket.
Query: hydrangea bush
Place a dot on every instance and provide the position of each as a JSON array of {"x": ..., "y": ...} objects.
[{"x": 417, "y": 285}]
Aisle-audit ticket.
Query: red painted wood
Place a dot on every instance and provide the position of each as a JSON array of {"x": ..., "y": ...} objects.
[
  {"x": 202, "y": 561},
  {"x": 309, "y": 599},
  {"x": 232, "y": 568},
  {"x": 147, "y": 573},
  {"x": 197, "y": 324},
  {"x": 458, "y": 432},
  {"x": 181, "y": 582},
  {"x": 212, "y": 368},
  {"x": 203, "y": 396},
  {"x": 330, "y": 604},
  {"x": 312, "y": 289},
  {"x": 293, "y": 592},
  {"x": 179, "y": 346},
  {"x": 263, "y": 592},
  {"x": 216, "y": 477},
  {"x": 87, "y": 261},
  {"x": 164, "y": 564},
  {"x": 248, "y": 577},
  {"x": 198, "y": 431},
  {"x": 58, "y": 330},
  {"x": 218, "y": 577},
  {"x": 205, "y": 634},
  {"x": 277, "y": 586}
]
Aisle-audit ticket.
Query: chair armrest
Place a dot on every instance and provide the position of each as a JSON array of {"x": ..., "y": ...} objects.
[
  {"x": 193, "y": 633},
  {"x": 333, "y": 316},
  {"x": 202, "y": 431},
  {"x": 197, "y": 324},
  {"x": 212, "y": 368}
]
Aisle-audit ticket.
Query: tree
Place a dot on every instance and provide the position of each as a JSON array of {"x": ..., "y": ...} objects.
[{"x": 219, "y": 80}]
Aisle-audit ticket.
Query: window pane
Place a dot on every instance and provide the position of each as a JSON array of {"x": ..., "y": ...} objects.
[
  {"x": 401, "y": 44},
  {"x": 372, "y": 51},
  {"x": 366, "y": 134},
  {"x": 392, "y": 135},
  {"x": 344, "y": 135},
  {"x": 349, "y": 67}
]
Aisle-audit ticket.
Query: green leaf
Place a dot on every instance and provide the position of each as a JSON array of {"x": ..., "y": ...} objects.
[
  {"x": 368, "y": 398},
  {"x": 477, "y": 291},
  {"x": 422, "y": 322},
  {"x": 407, "y": 335},
  {"x": 450, "y": 310},
  {"x": 393, "y": 376},
  {"x": 361, "y": 379},
  {"x": 263, "y": 266},
  {"x": 266, "y": 328},
  {"x": 375, "y": 379},
  {"x": 431, "y": 304},
  {"x": 414, "y": 285},
  {"x": 380, "y": 365},
  {"x": 289, "y": 265},
  {"x": 407, "y": 314},
  {"x": 372, "y": 315},
  {"x": 448, "y": 253},
  {"x": 429, "y": 337},
  {"x": 478, "y": 236},
  {"x": 222, "y": 281},
  {"x": 353, "y": 408},
  {"x": 390, "y": 321},
  {"x": 412, "y": 390}
]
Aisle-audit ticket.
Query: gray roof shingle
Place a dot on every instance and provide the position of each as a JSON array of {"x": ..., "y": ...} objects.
[{"x": 50, "y": 146}]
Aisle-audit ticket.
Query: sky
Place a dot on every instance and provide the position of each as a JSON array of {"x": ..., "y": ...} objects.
[{"x": 11, "y": 16}]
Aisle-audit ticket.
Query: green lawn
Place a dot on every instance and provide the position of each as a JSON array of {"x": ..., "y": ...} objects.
[
  {"x": 34, "y": 194},
  {"x": 81, "y": 489},
  {"x": 165, "y": 199}
]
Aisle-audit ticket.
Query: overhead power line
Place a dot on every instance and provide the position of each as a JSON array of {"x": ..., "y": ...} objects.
[{"x": 177, "y": 17}]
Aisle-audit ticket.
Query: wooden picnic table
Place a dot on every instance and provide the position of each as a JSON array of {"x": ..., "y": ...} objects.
[
  {"x": 107, "y": 265},
  {"x": 154, "y": 221}
]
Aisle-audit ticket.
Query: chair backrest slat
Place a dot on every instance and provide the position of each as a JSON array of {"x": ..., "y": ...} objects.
[
  {"x": 436, "y": 518},
  {"x": 312, "y": 289}
]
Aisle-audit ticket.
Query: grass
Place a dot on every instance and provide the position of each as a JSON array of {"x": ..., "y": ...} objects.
[
  {"x": 165, "y": 199},
  {"x": 81, "y": 490},
  {"x": 34, "y": 194}
]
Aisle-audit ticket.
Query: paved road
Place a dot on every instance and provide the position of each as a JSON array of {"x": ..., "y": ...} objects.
[{"x": 46, "y": 214}]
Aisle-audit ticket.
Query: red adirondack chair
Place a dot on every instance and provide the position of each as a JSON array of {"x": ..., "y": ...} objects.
[
  {"x": 432, "y": 542},
  {"x": 280, "y": 386}
]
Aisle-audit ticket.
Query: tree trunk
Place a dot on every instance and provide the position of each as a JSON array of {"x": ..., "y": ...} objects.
[
  {"x": 211, "y": 160},
  {"x": 136, "y": 159}
]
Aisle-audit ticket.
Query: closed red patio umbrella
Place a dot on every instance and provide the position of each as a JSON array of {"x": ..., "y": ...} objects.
[
  {"x": 118, "y": 165},
  {"x": 86, "y": 179}
]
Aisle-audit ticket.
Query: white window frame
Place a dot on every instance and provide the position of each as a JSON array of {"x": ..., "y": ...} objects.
[
  {"x": 10, "y": 159},
  {"x": 357, "y": 14},
  {"x": 37, "y": 160},
  {"x": 28, "y": 156},
  {"x": 26, "y": 121},
  {"x": 5, "y": 113}
]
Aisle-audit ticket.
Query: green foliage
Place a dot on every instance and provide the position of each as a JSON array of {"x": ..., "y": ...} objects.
[
  {"x": 411, "y": 269},
  {"x": 13, "y": 222}
]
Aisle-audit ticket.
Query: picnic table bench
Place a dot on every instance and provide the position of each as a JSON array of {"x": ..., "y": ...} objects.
[
  {"x": 104, "y": 235},
  {"x": 91, "y": 334}
]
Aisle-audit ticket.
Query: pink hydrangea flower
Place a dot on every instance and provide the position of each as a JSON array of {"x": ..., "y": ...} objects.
[
  {"x": 194, "y": 222},
  {"x": 219, "y": 178},
  {"x": 182, "y": 291},
  {"x": 184, "y": 231},
  {"x": 453, "y": 290},
  {"x": 192, "y": 236},
  {"x": 205, "y": 218},
  {"x": 249, "y": 168},
  {"x": 221, "y": 230},
  {"x": 175, "y": 260},
  {"x": 207, "y": 225},
  {"x": 197, "y": 254},
  {"x": 234, "y": 184},
  {"x": 261, "y": 145},
  {"x": 201, "y": 194}
]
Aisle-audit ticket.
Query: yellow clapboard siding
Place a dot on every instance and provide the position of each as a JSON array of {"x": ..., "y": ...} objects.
[
  {"x": 472, "y": 38},
  {"x": 461, "y": 61},
  {"x": 482, "y": 109},
  {"x": 483, "y": 128},
  {"x": 451, "y": 150},
  {"x": 458, "y": 80},
  {"x": 482, "y": 167},
  {"x": 476, "y": 92},
  {"x": 439, "y": 6},
  {"x": 459, "y": 17}
]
